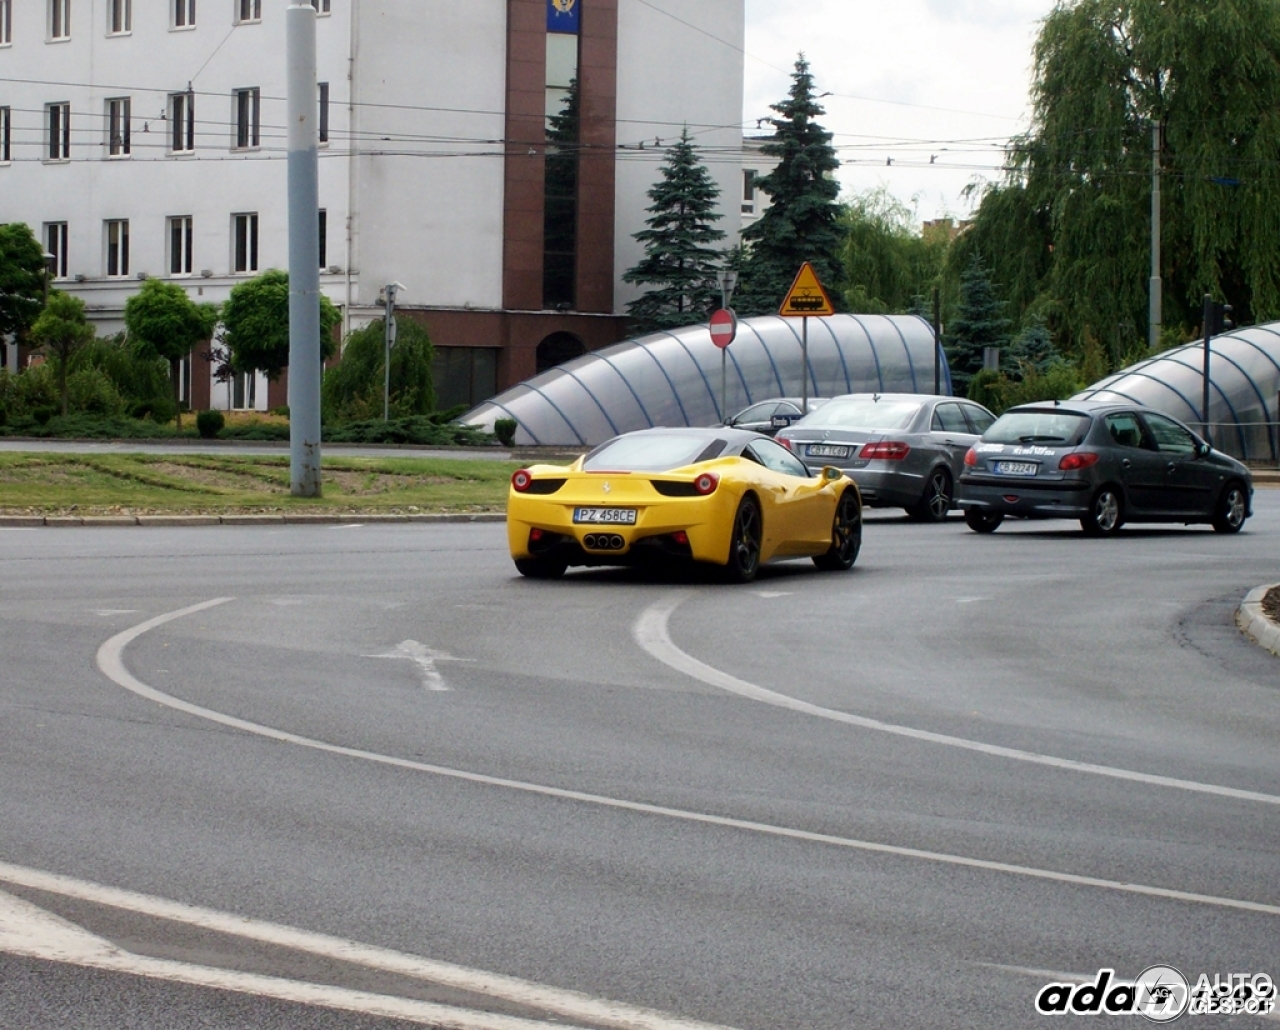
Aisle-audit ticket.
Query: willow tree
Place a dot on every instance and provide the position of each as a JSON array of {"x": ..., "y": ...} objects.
[
  {"x": 890, "y": 266},
  {"x": 1207, "y": 72}
]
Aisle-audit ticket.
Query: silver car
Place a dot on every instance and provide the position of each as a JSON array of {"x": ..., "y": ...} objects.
[
  {"x": 769, "y": 416},
  {"x": 904, "y": 450}
]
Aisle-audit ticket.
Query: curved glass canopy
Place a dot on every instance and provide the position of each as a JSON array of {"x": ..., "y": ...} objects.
[
  {"x": 1244, "y": 381},
  {"x": 673, "y": 378}
]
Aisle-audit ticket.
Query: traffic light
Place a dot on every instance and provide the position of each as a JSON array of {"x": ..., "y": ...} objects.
[{"x": 1217, "y": 317}]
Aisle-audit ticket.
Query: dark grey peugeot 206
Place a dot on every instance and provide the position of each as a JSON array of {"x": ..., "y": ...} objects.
[{"x": 1104, "y": 464}]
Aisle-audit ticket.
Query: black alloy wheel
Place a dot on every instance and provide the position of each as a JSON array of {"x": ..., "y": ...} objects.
[
  {"x": 744, "y": 545},
  {"x": 540, "y": 567},
  {"x": 936, "y": 500},
  {"x": 1106, "y": 513},
  {"x": 846, "y": 535},
  {"x": 982, "y": 521},
  {"x": 1232, "y": 509}
]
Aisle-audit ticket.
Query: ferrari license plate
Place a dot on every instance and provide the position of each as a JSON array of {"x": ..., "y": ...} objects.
[
  {"x": 605, "y": 516},
  {"x": 826, "y": 450},
  {"x": 1015, "y": 468}
]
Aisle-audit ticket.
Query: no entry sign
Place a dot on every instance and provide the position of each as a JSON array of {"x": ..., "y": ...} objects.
[{"x": 724, "y": 327}]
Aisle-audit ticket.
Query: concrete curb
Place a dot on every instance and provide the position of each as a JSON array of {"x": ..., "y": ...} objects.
[
  {"x": 265, "y": 519},
  {"x": 1254, "y": 623}
]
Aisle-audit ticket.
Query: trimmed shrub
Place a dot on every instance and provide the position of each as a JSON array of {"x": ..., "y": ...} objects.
[
  {"x": 505, "y": 430},
  {"x": 210, "y": 423}
]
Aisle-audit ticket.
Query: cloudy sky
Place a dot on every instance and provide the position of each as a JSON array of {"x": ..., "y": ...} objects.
[{"x": 910, "y": 80}]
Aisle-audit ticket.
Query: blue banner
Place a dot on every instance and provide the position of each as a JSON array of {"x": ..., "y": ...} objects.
[{"x": 563, "y": 16}]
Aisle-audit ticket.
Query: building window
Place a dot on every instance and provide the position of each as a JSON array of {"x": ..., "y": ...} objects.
[
  {"x": 321, "y": 6},
  {"x": 324, "y": 237},
  {"x": 244, "y": 238},
  {"x": 55, "y": 243},
  {"x": 6, "y": 135},
  {"x": 464, "y": 375},
  {"x": 118, "y": 127},
  {"x": 180, "y": 245},
  {"x": 184, "y": 14},
  {"x": 248, "y": 10},
  {"x": 182, "y": 122},
  {"x": 119, "y": 17},
  {"x": 118, "y": 247},
  {"x": 248, "y": 120},
  {"x": 58, "y": 122},
  {"x": 59, "y": 19},
  {"x": 749, "y": 191},
  {"x": 6, "y": 22},
  {"x": 324, "y": 112},
  {"x": 244, "y": 391},
  {"x": 560, "y": 189}
]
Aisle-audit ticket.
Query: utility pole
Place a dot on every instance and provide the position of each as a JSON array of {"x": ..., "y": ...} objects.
[
  {"x": 937, "y": 341},
  {"x": 304, "y": 252},
  {"x": 1156, "y": 310},
  {"x": 389, "y": 340}
]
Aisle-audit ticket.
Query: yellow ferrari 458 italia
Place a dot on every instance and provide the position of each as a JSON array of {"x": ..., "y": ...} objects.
[{"x": 719, "y": 496}]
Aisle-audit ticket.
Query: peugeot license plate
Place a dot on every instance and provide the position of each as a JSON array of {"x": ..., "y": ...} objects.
[
  {"x": 1015, "y": 468},
  {"x": 605, "y": 516},
  {"x": 826, "y": 450}
]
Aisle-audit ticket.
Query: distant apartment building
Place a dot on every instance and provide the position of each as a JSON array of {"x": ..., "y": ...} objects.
[{"x": 493, "y": 156}]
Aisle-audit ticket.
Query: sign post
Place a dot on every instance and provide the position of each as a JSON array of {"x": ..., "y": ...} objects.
[
  {"x": 728, "y": 279},
  {"x": 806, "y": 297},
  {"x": 724, "y": 329}
]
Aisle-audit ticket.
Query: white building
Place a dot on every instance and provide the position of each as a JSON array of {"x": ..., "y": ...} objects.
[{"x": 147, "y": 138}]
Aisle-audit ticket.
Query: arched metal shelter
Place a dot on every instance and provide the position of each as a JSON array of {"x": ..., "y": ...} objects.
[
  {"x": 673, "y": 378},
  {"x": 1244, "y": 383}
]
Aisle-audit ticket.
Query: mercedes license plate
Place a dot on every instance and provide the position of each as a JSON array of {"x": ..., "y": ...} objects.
[
  {"x": 605, "y": 516},
  {"x": 1015, "y": 468},
  {"x": 826, "y": 450}
]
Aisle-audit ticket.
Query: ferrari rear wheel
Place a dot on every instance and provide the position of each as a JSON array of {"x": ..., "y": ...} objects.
[
  {"x": 846, "y": 536},
  {"x": 540, "y": 568},
  {"x": 744, "y": 546}
]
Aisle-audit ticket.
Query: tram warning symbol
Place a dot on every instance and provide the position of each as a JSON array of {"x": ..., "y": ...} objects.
[{"x": 806, "y": 296}]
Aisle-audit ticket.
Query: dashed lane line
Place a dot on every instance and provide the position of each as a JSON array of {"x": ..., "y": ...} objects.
[
  {"x": 653, "y": 636},
  {"x": 110, "y": 661}
]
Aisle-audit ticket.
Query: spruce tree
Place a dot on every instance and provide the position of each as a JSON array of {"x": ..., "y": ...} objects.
[
  {"x": 679, "y": 261},
  {"x": 979, "y": 322},
  {"x": 801, "y": 222}
]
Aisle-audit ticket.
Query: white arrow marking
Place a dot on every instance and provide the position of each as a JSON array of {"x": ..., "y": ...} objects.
[{"x": 425, "y": 658}]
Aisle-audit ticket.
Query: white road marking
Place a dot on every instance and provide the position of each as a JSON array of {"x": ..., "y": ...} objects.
[
  {"x": 110, "y": 660},
  {"x": 653, "y": 637},
  {"x": 769, "y": 595},
  {"x": 425, "y": 658},
  {"x": 104, "y": 612},
  {"x": 349, "y": 525},
  {"x": 971, "y": 600},
  {"x": 28, "y": 931}
]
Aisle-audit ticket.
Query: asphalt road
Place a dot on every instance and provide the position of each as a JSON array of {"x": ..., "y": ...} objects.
[{"x": 906, "y": 796}]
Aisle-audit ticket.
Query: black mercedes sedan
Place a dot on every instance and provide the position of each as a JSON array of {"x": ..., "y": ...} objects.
[{"x": 1104, "y": 464}]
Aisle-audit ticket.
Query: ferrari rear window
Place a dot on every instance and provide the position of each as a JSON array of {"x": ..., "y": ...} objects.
[
  {"x": 862, "y": 413},
  {"x": 652, "y": 452},
  {"x": 1063, "y": 428}
]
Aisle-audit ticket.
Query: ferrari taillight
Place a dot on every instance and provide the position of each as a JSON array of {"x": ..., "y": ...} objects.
[
  {"x": 1078, "y": 460},
  {"x": 886, "y": 450},
  {"x": 706, "y": 483},
  {"x": 521, "y": 481}
]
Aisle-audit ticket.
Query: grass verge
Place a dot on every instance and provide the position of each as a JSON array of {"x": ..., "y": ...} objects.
[{"x": 144, "y": 484}]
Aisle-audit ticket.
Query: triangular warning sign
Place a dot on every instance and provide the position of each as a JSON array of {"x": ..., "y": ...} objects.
[{"x": 806, "y": 296}]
